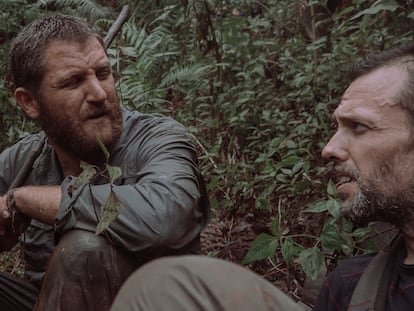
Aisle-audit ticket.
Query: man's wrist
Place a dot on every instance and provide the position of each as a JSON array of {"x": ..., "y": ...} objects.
[{"x": 11, "y": 202}]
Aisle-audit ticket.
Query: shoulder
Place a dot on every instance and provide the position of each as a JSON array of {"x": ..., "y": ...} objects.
[
  {"x": 135, "y": 118},
  {"x": 24, "y": 146},
  {"x": 14, "y": 157},
  {"x": 146, "y": 127},
  {"x": 339, "y": 285}
]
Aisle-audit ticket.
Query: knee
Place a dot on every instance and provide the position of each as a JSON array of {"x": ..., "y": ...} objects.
[
  {"x": 77, "y": 248},
  {"x": 166, "y": 273},
  {"x": 79, "y": 251}
]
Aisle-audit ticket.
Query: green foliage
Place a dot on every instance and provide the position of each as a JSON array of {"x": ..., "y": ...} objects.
[
  {"x": 337, "y": 236},
  {"x": 255, "y": 94},
  {"x": 13, "y": 125}
]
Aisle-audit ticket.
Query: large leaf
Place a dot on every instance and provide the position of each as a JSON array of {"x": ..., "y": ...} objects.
[
  {"x": 289, "y": 250},
  {"x": 384, "y": 5},
  {"x": 88, "y": 172},
  {"x": 114, "y": 172},
  {"x": 262, "y": 247},
  {"x": 331, "y": 238},
  {"x": 311, "y": 261},
  {"x": 110, "y": 209},
  {"x": 317, "y": 207}
]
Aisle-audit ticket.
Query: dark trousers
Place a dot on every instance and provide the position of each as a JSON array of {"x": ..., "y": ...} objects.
[
  {"x": 17, "y": 294},
  {"x": 84, "y": 273}
]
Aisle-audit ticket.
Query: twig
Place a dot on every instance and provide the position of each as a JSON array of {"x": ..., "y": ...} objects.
[
  {"x": 116, "y": 26},
  {"x": 204, "y": 150}
]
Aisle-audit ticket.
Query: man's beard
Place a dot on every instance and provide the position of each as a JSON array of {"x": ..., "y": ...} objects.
[
  {"x": 70, "y": 134},
  {"x": 387, "y": 195}
]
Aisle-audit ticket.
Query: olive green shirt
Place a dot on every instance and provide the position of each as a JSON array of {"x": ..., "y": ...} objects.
[{"x": 163, "y": 196}]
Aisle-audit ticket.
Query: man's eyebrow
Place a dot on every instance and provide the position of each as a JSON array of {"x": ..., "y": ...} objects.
[
  {"x": 104, "y": 63},
  {"x": 68, "y": 75}
]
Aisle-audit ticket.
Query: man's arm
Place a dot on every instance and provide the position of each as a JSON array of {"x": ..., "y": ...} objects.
[{"x": 38, "y": 202}]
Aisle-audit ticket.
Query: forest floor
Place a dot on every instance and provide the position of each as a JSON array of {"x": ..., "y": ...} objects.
[{"x": 229, "y": 237}]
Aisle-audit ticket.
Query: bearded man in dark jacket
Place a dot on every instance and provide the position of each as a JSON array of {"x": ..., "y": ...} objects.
[{"x": 63, "y": 79}]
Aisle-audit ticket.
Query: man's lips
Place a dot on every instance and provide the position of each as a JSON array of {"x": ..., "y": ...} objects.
[
  {"x": 347, "y": 190},
  {"x": 346, "y": 183},
  {"x": 96, "y": 116}
]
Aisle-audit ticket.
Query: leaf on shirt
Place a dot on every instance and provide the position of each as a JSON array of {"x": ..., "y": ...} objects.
[
  {"x": 88, "y": 172},
  {"x": 114, "y": 172},
  {"x": 110, "y": 209}
]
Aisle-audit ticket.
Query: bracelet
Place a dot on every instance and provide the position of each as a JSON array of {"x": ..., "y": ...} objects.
[{"x": 11, "y": 204}]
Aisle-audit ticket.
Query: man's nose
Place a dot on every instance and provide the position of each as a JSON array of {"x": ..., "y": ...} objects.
[
  {"x": 95, "y": 91},
  {"x": 335, "y": 149}
]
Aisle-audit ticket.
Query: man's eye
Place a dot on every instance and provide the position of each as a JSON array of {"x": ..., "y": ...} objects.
[
  {"x": 359, "y": 127},
  {"x": 72, "y": 82},
  {"x": 103, "y": 74}
]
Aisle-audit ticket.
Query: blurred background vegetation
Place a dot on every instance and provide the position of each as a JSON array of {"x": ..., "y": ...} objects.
[{"x": 254, "y": 81}]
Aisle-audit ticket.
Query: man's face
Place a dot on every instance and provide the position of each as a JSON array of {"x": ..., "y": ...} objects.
[
  {"x": 78, "y": 101},
  {"x": 373, "y": 149}
]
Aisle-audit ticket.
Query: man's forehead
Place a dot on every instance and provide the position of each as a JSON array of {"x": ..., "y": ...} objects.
[
  {"x": 65, "y": 53},
  {"x": 62, "y": 46}
]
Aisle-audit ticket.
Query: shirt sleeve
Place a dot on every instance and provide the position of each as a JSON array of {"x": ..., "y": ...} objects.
[{"x": 160, "y": 192}]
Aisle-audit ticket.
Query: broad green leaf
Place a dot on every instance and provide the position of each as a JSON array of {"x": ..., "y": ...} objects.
[
  {"x": 291, "y": 160},
  {"x": 110, "y": 209},
  {"x": 331, "y": 189},
  {"x": 386, "y": 5},
  {"x": 347, "y": 225},
  {"x": 311, "y": 260},
  {"x": 114, "y": 172},
  {"x": 361, "y": 234},
  {"x": 289, "y": 250},
  {"x": 331, "y": 238},
  {"x": 332, "y": 206},
  {"x": 317, "y": 207},
  {"x": 275, "y": 227},
  {"x": 297, "y": 167},
  {"x": 88, "y": 172},
  {"x": 262, "y": 247}
]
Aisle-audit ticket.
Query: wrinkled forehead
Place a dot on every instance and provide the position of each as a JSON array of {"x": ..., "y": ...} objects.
[
  {"x": 58, "y": 52},
  {"x": 374, "y": 97}
]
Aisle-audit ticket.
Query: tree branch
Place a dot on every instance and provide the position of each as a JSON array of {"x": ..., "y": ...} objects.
[{"x": 116, "y": 26}]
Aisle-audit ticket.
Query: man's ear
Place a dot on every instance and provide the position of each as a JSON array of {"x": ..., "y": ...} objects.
[{"x": 27, "y": 101}]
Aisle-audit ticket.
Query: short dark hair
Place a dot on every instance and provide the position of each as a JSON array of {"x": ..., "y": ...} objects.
[
  {"x": 402, "y": 56},
  {"x": 27, "y": 63}
]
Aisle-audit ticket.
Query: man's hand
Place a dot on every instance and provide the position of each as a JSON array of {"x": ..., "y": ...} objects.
[{"x": 5, "y": 216}]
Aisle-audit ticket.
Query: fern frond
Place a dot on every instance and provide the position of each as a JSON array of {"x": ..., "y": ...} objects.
[
  {"x": 85, "y": 8},
  {"x": 187, "y": 73}
]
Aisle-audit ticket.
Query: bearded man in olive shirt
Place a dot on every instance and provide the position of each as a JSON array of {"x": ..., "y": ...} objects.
[{"x": 63, "y": 79}]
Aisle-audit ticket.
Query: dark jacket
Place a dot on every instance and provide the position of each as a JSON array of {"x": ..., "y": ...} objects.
[
  {"x": 163, "y": 196},
  {"x": 398, "y": 285}
]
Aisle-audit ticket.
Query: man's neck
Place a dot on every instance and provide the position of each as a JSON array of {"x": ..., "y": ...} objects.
[{"x": 69, "y": 164}]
